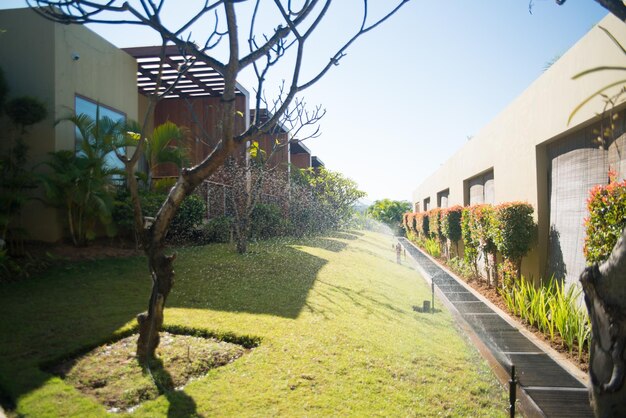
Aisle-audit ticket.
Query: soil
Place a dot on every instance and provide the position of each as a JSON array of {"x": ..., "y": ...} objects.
[{"x": 112, "y": 374}]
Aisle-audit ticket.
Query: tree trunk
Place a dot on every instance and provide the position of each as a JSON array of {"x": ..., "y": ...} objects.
[
  {"x": 605, "y": 296},
  {"x": 487, "y": 268},
  {"x": 150, "y": 322},
  {"x": 494, "y": 256}
]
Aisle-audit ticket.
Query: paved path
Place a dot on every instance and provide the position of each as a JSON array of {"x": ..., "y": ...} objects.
[{"x": 553, "y": 389}]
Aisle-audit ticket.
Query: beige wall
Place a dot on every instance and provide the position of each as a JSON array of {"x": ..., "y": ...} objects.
[
  {"x": 103, "y": 74},
  {"x": 36, "y": 56},
  {"x": 513, "y": 143}
]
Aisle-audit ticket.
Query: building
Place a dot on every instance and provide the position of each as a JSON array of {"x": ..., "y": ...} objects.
[
  {"x": 74, "y": 70},
  {"x": 69, "y": 68},
  {"x": 532, "y": 152}
]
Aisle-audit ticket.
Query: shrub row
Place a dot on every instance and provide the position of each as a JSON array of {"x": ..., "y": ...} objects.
[{"x": 486, "y": 231}]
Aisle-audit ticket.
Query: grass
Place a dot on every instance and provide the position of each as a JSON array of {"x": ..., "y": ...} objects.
[{"x": 333, "y": 315}]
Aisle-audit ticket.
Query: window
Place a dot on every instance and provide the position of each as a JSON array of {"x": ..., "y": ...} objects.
[
  {"x": 416, "y": 207},
  {"x": 87, "y": 107},
  {"x": 480, "y": 189},
  {"x": 442, "y": 198},
  {"x": 427, "y": 204}
]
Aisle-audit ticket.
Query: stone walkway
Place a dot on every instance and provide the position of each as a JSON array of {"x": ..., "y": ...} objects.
[{"x": 552, "y": 390}]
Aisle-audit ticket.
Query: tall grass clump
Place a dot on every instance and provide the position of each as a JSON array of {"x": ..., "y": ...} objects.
[
  {"x": 551, "y": 307},
  {"x": 432, "y": 247}
]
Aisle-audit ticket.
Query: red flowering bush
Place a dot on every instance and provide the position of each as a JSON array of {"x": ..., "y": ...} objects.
[
  {"x": 514, "y": 231},
  {"x": 422, "y": 224},
  {"x": 607, "y": 218},
  {"x": 434, "y": 223}
]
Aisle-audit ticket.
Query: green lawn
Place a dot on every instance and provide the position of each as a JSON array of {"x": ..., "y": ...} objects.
[{"x": 338, "y": 335}]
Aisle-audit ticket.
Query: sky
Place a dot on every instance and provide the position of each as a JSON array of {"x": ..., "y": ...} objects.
[{"x": 410, "y": 93}]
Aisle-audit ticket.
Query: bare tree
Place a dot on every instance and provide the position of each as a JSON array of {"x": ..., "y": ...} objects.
[{"x": 298, "y": 23}]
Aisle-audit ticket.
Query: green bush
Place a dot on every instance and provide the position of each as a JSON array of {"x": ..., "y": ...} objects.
[
  {"x": 607, "y": 219},
  {"x": 482, "y": 226},
  {"x": 189, "y": 215},
  {"x": 25, "y": 111},
  {"x": 422, "y": 224},
  {"x": 434, "y": 224},
  {"x": 451, "y": 225},
  {"x": 267, "y": 222},
  {"x": 214, "y": 230},
  {"x": 461, "y": 267},
  {"x": 470, "y": 244},
  {"x": 514, "y": 231}
]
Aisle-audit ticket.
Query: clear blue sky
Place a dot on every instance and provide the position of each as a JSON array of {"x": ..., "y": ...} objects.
[{"x": 410, "y": 93}]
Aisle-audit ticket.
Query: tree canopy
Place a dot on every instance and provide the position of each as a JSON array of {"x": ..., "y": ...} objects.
[{"x": 389, "y": 211}]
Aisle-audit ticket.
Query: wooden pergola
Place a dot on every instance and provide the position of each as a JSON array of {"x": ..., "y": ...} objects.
[{"x": 193, "y": 78}]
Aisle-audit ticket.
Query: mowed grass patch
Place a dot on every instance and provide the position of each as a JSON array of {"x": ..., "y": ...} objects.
[{"x": 338, "y": 335}]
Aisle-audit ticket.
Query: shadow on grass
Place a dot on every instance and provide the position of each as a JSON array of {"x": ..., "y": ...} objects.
[
  {"x": 180, "y": 404},
  {"x": 76, "y": 306}
]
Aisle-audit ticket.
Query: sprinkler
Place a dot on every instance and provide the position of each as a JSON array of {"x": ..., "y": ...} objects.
[
  {"x": 432, "y": 305},
  {"x": 512, "y": 391}
]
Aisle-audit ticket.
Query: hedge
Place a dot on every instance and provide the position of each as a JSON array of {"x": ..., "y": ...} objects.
[
  {"x": 451, "y": 223},
  {"x": 422, "y": 224},
  {"x": 434, "y": 223},
  {"x": 508, "y": 228},
  {"x": 514, "y": 231},
  {"x": 607, "y": 219},
  {"x": 470, "y": 244}
]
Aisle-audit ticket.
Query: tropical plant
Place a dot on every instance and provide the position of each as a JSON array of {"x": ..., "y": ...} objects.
[
  {"x": 167, "y": 144},
  {"x": 82, "y": 182},
  {"x": 82, "y": 187}
]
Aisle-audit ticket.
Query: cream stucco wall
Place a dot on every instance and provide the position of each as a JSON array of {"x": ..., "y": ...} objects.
[
  {"x": 37, "y": 58},
  {"x": 511, "y": 144}
]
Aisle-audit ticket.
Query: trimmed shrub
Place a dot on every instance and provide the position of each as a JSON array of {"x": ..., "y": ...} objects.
[
  {"x": 434, "y": 223},
  {"x": 408, "y": 221},
  {"x": 607, "y": 219},
  {"x": 514, "y": 231},
  {"x": 483, "y": 230},
  {"x": 451, "y": 225},
  {"x": 422, "y": 224}
]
